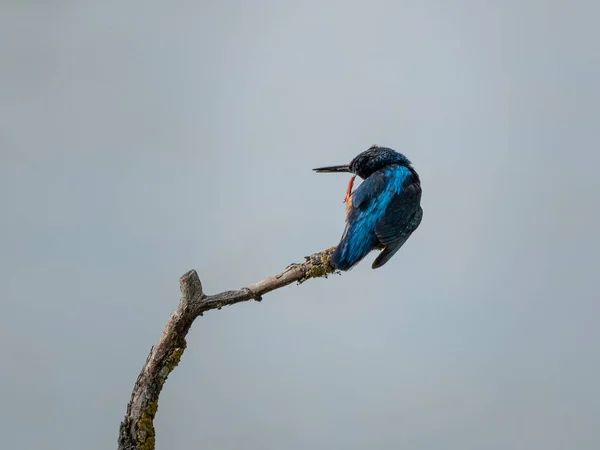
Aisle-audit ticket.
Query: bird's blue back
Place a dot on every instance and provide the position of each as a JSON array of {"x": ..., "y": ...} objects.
[{"x": 383, "y": 212}]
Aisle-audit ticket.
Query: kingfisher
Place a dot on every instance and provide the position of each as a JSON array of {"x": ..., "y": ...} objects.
[{"x": 383, "y": 211}]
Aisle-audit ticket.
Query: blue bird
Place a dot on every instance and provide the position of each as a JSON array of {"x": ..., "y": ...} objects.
[{"x": 383, "y": 211}]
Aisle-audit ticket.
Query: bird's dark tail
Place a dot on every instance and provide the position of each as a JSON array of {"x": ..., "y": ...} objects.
[{"x": 386, "y": 254}]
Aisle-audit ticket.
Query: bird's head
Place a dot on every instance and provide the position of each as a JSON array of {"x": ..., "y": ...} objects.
[{"x": 369, "y": 162}]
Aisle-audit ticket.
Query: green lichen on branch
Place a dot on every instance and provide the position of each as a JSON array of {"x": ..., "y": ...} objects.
[
  {"x": 146, "y": 434},
  {"x": 175, "y": 357},
  {"x": 170, "y": 364},
  {"x": 320, "y": 265}
]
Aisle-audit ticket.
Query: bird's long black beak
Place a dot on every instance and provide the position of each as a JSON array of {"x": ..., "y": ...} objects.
[{"x": 333, "y": 169}]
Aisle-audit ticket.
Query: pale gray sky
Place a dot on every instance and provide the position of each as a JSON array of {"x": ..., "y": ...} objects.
[{"x": 142, "y": 139}]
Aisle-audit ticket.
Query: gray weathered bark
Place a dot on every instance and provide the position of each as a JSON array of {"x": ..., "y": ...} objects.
[{"x": 137, "y": 429}]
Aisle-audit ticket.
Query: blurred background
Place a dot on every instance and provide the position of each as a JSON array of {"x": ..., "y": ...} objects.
[{"x": 142, "y": 139}]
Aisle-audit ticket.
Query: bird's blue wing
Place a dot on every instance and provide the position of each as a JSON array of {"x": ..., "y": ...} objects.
[
  {"x": 402, "y": 216},
  {"x": 398, "y": 217}
]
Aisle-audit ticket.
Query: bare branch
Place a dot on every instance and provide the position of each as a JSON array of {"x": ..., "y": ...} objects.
[{"x": 137, "y": 429}]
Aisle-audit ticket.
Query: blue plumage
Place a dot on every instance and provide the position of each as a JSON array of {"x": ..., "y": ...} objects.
[{"x": 383, "y": 211}]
